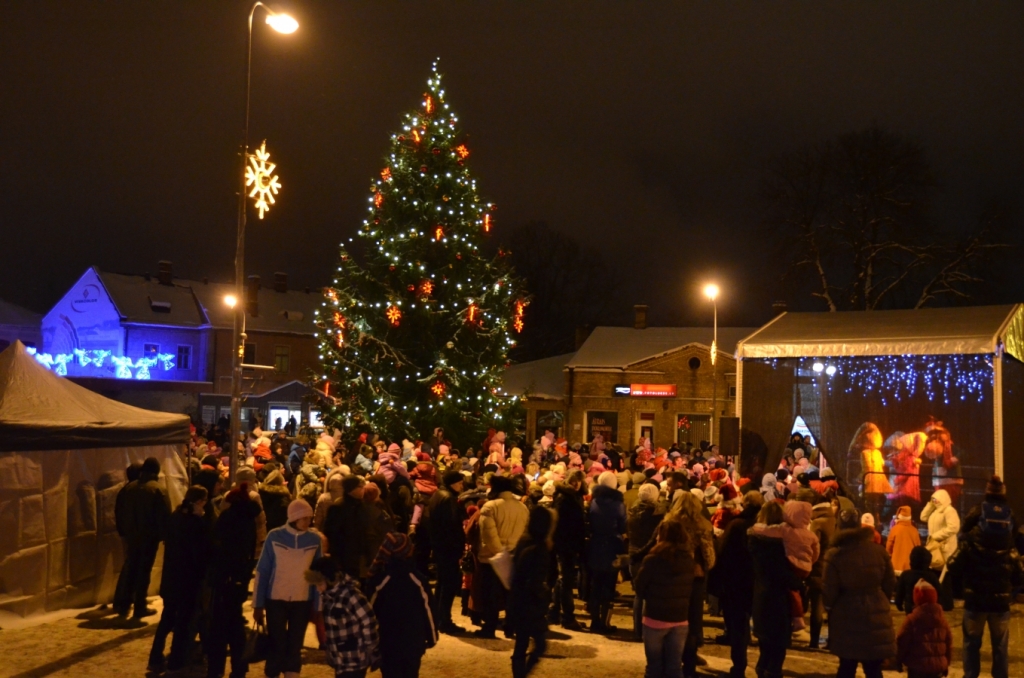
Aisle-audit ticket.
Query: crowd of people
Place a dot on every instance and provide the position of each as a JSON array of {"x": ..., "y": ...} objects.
[{"x": 374, "y": 542}]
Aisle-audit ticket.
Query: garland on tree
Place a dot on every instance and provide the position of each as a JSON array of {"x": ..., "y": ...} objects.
[{"x": 417, "y": 334}]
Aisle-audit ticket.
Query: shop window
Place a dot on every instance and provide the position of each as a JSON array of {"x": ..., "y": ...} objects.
[
  {"x": 184, "y": 361},
  {"x": 282, "y": 358},
  {"x": 605, "y": 423}
]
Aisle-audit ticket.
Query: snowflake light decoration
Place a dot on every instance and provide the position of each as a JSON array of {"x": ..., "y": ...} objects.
[
  {"x": 260, "y": 175},
  {"x": 394, "y": 315}
]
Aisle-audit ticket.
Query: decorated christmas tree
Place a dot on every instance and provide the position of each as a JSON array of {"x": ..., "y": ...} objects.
[{"x": 416, "y": 334}]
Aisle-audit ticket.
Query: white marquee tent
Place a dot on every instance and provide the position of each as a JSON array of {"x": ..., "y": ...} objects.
[{"x": 63, "y": 451}]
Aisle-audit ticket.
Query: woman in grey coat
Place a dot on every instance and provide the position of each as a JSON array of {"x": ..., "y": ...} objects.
[{"x": 859, "y": 582}]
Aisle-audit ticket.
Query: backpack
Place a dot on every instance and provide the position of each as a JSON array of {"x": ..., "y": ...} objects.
[{"x": 996, "y": 519}]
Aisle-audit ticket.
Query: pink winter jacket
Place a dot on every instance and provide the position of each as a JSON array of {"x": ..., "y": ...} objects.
[{"x": 802, "y": 545}]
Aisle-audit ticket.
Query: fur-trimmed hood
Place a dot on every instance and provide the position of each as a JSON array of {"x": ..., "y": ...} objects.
[{"x": 851, "y": 536}]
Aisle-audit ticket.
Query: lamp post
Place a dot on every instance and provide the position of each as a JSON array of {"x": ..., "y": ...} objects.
[
  {"x": 711, "y": 292},
  {"x": 282, "y": 23}
]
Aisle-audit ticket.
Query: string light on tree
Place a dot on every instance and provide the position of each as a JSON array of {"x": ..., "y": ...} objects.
[
  {"x": 433, "y": 372},
  {"x": 260, "y": 175}
]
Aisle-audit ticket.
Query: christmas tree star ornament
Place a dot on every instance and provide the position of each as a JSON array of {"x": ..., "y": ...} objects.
[{"x": 260, "y": 175}]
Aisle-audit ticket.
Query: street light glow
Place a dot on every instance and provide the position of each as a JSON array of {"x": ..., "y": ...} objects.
[
  {"x": 282, "y": 23},
  {"x": 711, "y": 291},
  {"x": 230, "y": 300}
]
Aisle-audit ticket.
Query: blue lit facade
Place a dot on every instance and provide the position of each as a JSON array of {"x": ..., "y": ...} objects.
[{"x": 126, "y": 327}]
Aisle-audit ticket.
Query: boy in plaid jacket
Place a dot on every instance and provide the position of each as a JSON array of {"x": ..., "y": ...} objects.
[{"x": 353, "y": 644}]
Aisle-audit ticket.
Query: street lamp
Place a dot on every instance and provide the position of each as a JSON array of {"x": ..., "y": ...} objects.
[
  {"x": 711, "y": 292},
  {"x": 282, "y": 23}
]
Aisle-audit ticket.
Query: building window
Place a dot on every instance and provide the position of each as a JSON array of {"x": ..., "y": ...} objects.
[
  {"x": 184, "y": 361},
  {"x": 282, "y": 358},
  {"x": 249, "y": 354},
  {"x": 732, "y": 391},
  {"x": 694, "y": 363},
  {"x": 209, "y": 414},
  {"x": 150, "y": 350}
]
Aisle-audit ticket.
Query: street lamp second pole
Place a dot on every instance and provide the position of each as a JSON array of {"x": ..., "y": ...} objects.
[
  {"x": 711, "y": 292},
  {"x": 282, "y": 23}
]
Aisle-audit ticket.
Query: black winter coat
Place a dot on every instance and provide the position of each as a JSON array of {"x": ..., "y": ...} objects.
[
  {"x": 664, "y": 582},
  {"x": 234, "y": 547},
  {"x": 275, "y": 500},
  {"x": 571, "y": 529},
  {"x": 186, "y": 556},
  {"x": 774, "y": 578},
  {"x": 987, "y": 569},
  {"x": 142, "y": 510},
  {"x": 402, "y": 603},
  {"x": 642, "y": 519},
  {"x": 858, "y": 583},
  {"x": 732, "y": 577},
  {"x": 607, "y": 525},
  {"x": 529, "y": 594},
  {"x": 444, "y": 523},
  {"x": 347, "y": 526}
]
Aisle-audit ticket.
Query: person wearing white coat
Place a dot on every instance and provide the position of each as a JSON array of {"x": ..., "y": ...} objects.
[{"x": 943, "y": 526}]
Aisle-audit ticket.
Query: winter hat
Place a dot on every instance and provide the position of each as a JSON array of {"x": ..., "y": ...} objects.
[
  {"x": 995, "y": 486},
  {"x": 639, "y": 478},
  {"x": 728, "y": 493},
  {"x": 394, "y": 449},
  {"x": 925, "y": 593},
  {"x": 451, "y": 477},
  {"x": 698, "y": 470},
  {"x": 299, "y": 509},
  {"x": 350, "y": 484},
  {"x": 238, "y": 495},
  {"x": 867, "y": 520},
  {"x": 711, "y": 495},
  {"x": 848, "y": 519},
  {"x": 274, "y": 478},
  {"x": 549, "y": 488},
  {"x": 781, "y": 475},
  {"x": 903, "y": 513},
  {"x": 648, "y": 492},
  {"x": 828, "y": 473},
  {"x": 697, "y": 492},
  {"x": 608, "y": 479},
  {"x": 245, "y": 474}
]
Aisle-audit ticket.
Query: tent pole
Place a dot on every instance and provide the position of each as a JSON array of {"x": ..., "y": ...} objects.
[{"x": 997, "y": 405}]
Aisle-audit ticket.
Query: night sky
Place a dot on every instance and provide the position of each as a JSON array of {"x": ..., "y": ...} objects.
[{"x": 640, "y": 128}]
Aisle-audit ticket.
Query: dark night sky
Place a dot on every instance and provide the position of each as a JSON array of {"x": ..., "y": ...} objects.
[{"x": 641, "y": 128}]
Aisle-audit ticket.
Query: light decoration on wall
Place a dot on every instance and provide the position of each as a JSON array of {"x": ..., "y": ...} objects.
[
  {"x": 260, "y": 175},
  {"x": 944, "y": 378},
  {"x": 124, "y": 365}
]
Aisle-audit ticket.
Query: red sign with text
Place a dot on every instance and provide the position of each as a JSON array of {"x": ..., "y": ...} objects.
[{"x": 653, "y": 390}]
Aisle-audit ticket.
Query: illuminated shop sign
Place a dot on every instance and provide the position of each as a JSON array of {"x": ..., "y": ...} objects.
[
  {"x": 124, "y": 365},
  {"x": 645, "y": 390}
]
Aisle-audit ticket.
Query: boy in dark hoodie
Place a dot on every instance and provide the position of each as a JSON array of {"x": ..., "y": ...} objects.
[
  {"x": 920, "y": 569},
  {"x": 925, "y": 642},
  {"x": 530, "y": 594}
]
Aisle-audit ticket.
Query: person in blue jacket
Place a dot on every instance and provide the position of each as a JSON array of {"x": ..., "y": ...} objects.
[{"x": 282, "y": 598}]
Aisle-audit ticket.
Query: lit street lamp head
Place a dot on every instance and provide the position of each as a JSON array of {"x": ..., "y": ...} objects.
[
  {"x": 230, "y": 300},
  {"x": 282, "y": 23},
  {"x": 711, "y": 291}
]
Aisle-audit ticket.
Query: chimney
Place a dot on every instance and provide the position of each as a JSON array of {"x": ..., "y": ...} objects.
[
  {"x": 252, "y": 296},
  {"x": 164, "y": 272},
  {"x": 640, "y": 321},
  {"x": 582, "y": 333},
  {"x": 280, "y": 282},
  {"x": 779, "y": 307}
]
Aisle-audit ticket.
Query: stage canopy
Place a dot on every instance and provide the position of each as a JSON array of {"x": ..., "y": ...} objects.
[
  {"x": 906, "y": 375},
  {"x": 42, "y": 411},
  {"x": 926, "y": 331}
]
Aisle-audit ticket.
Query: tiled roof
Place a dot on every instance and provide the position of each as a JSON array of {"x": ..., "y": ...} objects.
[{"x": 620, "y": 347}]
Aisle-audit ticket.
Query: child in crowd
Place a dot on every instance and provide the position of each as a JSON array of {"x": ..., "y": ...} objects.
[
  {"x": 925, "y": 642},
  {"x": 353, "y": 644},
  {"x": 802, "y": 548}
]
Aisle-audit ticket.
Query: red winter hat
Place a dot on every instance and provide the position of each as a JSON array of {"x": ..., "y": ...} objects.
[{"x": 925, "y": 593}]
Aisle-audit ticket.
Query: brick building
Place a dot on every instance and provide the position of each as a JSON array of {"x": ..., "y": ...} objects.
[{"x": 629, "y": 382}]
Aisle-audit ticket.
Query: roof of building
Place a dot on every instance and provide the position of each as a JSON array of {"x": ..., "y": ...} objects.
[
  {"x": 542, "y": 378},
  {"x": 926, "y": 331},
  {"x": 620, "y": 347},
  {"x": 16, "y": 316},
  {"x": 188, "y": 303},
  {"x": 290, "y": 311}
]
